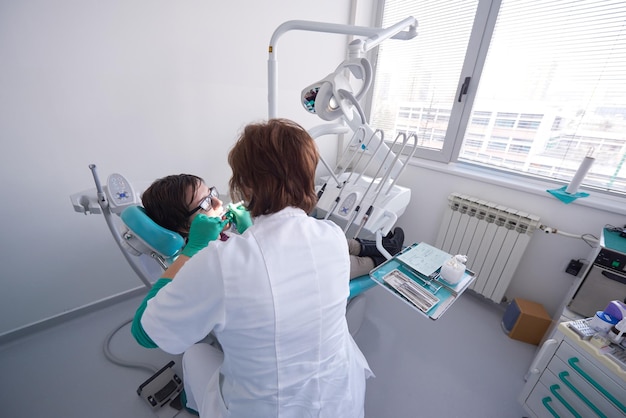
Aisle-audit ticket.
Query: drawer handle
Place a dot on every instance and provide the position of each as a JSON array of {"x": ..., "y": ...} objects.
[
  {"x": 563, "y": 376},
  {"x": 545, "y": 401},
  {"x": 557, "y": 395},
  {"x": 573, "y": 362}
]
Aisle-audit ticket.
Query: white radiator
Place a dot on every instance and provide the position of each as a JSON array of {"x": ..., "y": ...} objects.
[{"x": 494, "y": 238}]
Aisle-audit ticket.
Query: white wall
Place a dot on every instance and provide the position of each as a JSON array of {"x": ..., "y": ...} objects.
[{"x": 144, "y": 88}]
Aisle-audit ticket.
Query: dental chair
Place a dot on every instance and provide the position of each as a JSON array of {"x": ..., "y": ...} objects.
[
  {"x": 144, "y": 236},
  {"x": 149, "y": 248}
]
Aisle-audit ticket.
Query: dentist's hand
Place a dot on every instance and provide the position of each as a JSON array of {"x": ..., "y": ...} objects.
[
  {"x": 203, "y": 230},
  {"x": 240, "y": 216}
]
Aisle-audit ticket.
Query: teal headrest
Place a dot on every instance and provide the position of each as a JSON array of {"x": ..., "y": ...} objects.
[{"x": 161, "y": 240}]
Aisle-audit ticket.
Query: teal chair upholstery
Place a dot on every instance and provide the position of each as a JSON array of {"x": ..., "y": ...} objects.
[
  {"x": 147, "y": 233},
  {"x": 359, "y": 285}
]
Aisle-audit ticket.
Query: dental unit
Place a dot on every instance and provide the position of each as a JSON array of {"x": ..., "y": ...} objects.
[{"x": 362, "y": 205}]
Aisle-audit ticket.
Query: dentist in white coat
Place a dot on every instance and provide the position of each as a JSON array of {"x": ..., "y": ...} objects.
[{"x": 274, "y": 296}]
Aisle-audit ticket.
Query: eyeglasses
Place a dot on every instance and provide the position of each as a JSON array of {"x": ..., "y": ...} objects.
[{"x": 207, "y": 202}]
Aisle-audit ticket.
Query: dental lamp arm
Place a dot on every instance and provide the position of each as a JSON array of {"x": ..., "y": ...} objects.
[
  {"x": 395, "y": 32},
  {"x": 356, "y": 48},
  {"x": 377, "y": 35}
]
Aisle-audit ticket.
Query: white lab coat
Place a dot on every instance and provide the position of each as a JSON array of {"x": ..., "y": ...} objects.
[{"x": 275, "y": 298}]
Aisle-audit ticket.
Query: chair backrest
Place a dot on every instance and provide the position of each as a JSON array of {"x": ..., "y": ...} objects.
[{"x": 144, "y": 236}]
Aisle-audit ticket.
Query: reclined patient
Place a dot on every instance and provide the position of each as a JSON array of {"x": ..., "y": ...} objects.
[{"x": 172, "y": 202}]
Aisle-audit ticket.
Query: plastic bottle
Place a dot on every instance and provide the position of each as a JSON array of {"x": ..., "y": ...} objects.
[{"x": 452, "y": 270}]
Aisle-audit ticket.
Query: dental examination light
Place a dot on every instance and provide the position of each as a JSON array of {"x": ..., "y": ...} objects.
[
  {"x": 358, "y": 203},
  {"x": 337, "y": 101},
  {"x": 331, "y": 98},
  {"x": 405, "y": 29}
]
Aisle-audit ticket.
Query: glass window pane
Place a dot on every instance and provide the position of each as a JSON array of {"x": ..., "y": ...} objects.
[
  {"x": 555, "y": 80},
  {"x": 416, "y": 81}
]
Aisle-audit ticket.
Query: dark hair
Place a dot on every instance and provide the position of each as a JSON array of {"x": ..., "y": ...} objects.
[
  {"x": 273, "y": 166},
  {"x": 167, "y": 201}
]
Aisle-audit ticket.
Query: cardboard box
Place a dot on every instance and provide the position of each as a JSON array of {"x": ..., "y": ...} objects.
[{"x": 526, "y": 321}]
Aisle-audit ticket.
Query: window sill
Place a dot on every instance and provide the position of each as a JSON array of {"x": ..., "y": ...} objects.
[{"x": 595, "y": 200}]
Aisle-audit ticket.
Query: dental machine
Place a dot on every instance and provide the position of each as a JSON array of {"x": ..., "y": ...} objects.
[{"x": 360, "y": 193}]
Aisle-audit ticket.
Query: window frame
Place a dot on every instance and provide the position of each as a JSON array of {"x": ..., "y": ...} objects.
[
  {"x": 476, "y": 54},
  {"x": 460, "y": 114}
]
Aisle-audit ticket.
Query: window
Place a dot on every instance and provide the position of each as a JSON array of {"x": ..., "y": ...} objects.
[
  {"x": 480, "y": 121},
  {"x": 528, "y": 124},
  {"x": 549, "y": 76},
  {"x": 505, "y": 123}
]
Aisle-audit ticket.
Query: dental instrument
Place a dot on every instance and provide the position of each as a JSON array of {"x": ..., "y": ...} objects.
[
  {"x": 361, "y": 148},
  {"x": 384, "y": 181},
  {"x": 357, "y": 140},
  {"x": 342, "y": 165},
  {"x": 348, "y": 203},
  {"x": 365, "y": 195}
]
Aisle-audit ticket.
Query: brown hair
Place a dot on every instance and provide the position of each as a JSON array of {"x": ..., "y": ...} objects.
[
  {"x": 167, "y": 201},
  {"x": 273, "y": 166}
]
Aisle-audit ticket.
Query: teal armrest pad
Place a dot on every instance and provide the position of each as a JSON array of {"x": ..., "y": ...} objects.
[
  {"x": 360, "y": 284},
  {"x": 162, "y": 240}
]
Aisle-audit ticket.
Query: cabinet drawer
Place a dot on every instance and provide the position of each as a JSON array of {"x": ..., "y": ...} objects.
[
  {"x": 543, "y": 404},
  {"x": 594, "y": 400},
  {"x": 574, "y": 391},
  {"x": 579, "y": 364}
]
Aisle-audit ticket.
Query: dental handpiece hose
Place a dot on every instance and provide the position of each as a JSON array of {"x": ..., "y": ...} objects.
[
  {"x": 363, "y": 147},
  {"x": 363, "y": 221},
  {"x": 365, "y": 195}
]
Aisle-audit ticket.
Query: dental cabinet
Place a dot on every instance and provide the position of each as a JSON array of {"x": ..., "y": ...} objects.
[{"x": 571, "y": 376}]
